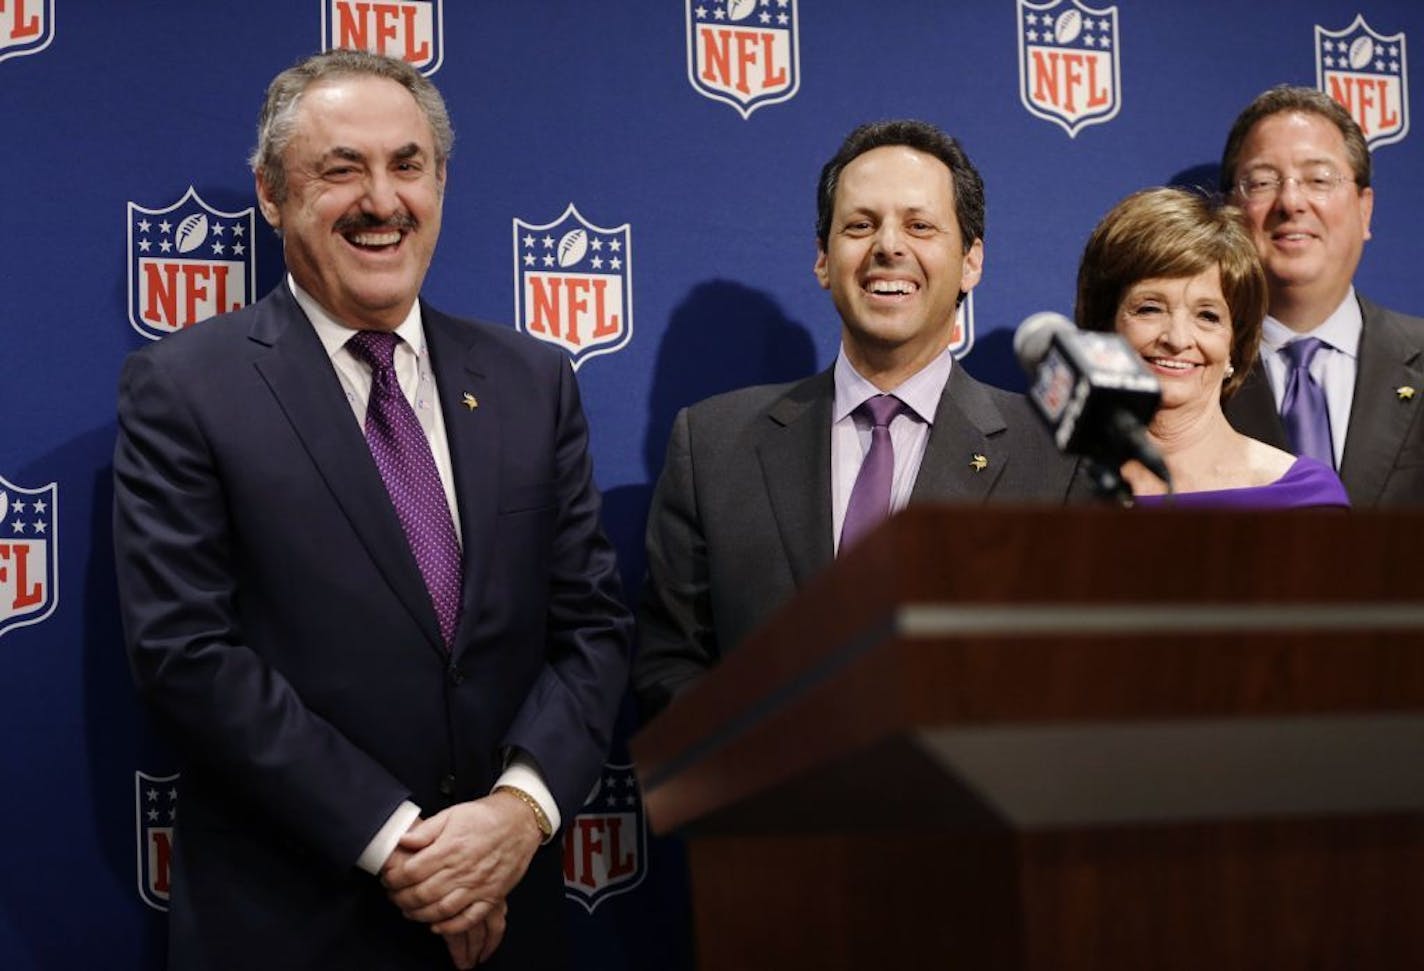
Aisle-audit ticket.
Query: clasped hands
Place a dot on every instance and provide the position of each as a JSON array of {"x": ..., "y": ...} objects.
[{"x": 454, "y": 870}]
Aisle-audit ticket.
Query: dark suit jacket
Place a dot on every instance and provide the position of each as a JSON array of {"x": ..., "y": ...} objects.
[
  {"x": 1383, "y": 462},
  {"x": 277, "y": 621},
  {"x": 741, "y": 516}
]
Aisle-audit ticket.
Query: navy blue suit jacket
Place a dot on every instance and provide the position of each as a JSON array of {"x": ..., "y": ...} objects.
[{"x": 277, "y": 621}]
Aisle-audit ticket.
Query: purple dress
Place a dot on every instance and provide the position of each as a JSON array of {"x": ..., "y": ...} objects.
[{"x": 1306, "y": 483}]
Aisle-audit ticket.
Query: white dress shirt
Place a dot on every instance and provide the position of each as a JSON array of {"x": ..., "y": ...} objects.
[
  {"x": 417, "y": 381},
  {"x": 1334, "y": 366},
  {"x": 909, "y": 431}
]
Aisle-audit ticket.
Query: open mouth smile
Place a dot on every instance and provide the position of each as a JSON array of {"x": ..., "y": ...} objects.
[
  {"x": 374, "y": 240},
  {"x": 1172, "y": 364},
  {"x": 890, "y": 288}
]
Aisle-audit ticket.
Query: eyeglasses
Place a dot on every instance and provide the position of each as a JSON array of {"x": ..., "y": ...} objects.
[{"x": 1317, "y": 184}]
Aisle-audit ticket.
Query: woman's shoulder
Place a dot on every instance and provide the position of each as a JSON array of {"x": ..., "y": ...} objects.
[
  {"x": 1306, "y": 469},
  {"x": 1309, "y": 482},
  {"x": 1266, "y": 464}
]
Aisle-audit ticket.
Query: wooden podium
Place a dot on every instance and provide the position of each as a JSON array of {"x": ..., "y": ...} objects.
[{"x": 998, "y": 738}]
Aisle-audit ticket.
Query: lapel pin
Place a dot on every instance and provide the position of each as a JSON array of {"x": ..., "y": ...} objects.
[
  {"x": 471, "y": 402},
  {"x": 1405, "y": 392},
  {"x": 979, "y": 463}
]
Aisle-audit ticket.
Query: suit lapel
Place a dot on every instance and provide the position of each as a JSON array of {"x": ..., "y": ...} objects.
[
  {"x": 795, "y": 455},
  {"x": 301, "y": 377},
  {"x": 472, "y": 408},
  {"x": 965, "y": 425},
  {"x": 1379, "y": 418}
]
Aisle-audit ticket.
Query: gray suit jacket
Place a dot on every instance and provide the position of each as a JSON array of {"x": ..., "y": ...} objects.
[
  {"x": 1383, "y": 463},
  {"x": 741, "y": 517}
]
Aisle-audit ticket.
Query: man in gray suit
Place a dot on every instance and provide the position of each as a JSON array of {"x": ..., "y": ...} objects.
[
  {"x": 1297, "y": 164},
  {"x": 753, "y": 500}
]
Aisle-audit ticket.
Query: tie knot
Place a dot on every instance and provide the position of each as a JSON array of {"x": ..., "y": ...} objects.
[
  {"x": 881, "y": 409},
  {"x": 376, "y": 347},
  {"x": 1300, "y": 353}
]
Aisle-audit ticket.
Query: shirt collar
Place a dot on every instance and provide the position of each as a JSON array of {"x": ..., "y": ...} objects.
[
  {"x": 335, "y": 334},
  {"x": 1341, "y": 330},
  {"x": 920, "y": 392}
]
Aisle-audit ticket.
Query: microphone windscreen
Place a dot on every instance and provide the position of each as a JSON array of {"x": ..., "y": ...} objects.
[{"x": 1033, "y": 336}]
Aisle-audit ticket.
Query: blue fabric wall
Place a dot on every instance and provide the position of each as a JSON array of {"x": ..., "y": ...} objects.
[{"x": 690, "y": 134}]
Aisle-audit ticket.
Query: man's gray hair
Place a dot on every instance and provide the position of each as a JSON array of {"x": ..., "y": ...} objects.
[{"x": 277, "y": 122}]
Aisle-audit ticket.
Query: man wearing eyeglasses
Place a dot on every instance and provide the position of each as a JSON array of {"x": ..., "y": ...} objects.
[{"x": 1338, "y": 378}]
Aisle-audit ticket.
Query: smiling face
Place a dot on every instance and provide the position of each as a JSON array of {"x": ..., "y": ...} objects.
[
  {"x": 1182, "y": 328},
  {"x": 894, "y": 261},
  {"x": 1309, "y": 242},
  {"x": 363, "y": 203}
]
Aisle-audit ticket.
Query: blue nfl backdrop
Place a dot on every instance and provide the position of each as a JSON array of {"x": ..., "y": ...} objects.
[{"x": 633, "y": 183}]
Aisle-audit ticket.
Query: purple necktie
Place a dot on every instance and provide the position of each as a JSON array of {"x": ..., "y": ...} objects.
[
  {"x": 407, "y": 466},
  {"x": 1303, "y": 409},
  {"x": 870, "y": 497}
]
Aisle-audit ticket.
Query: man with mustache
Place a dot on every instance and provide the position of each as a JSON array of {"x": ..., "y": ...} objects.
[
  {"x": 362, "y": 573},
  {"x": 1339, "y": 378}
]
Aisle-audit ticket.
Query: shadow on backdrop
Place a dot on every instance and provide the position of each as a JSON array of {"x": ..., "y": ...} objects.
[
  {"x": 108, "y": 725},
  {"x": 722, "y": 336},
  {"x": 1201, "y": 177},
  {"x": 992, "y": 360}
]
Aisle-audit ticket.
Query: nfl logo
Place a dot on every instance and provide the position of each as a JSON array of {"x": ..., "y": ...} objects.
[
  {"x": 155, "y": 810},
  {"x": 1053, "y": 388},
  {"x": 573, "y": 284},
  {"x": 1068, "y": 63},
  {"x": 26, "y": 27},
  {"x": 411, "y": 30},
  {"x": 1365, "y": 71},
  {"x": 29, "y": 554},
  {"x": 187, "y": 263},
  {"x": 606, "y": 844},
  {"x": 961, "y": 342},
  {"x": 743, "y": 52}
]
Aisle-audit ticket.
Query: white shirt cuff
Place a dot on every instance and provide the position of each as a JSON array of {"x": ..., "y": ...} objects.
[
  {"x": 522, "y": 773},
  {"x": 383, "y": 844}
]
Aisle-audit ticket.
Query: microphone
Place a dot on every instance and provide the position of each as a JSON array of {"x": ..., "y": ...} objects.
[{"x": 1094, "y": 394}]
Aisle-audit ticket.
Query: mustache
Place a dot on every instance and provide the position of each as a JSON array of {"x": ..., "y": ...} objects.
[{"x": 358, "y": 221}]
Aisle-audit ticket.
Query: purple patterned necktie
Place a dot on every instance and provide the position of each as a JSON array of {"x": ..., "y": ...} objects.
[
  {"x": 407, "y": 466},
  {"x": 1303, "y": 409},
  {"x": 870, "y": 497}
]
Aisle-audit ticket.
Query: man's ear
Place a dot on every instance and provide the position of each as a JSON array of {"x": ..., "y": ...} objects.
[
  {"x": 270, "y": 210},
  {"x": 972, "y": 268},
  {"x": 823, "y": 277}
]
